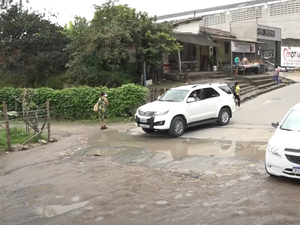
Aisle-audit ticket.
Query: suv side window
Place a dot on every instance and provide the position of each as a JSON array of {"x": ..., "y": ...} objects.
[
  {"x": 199, "y": 94},
  {"x": 210, "y": 93},
  {"x": 225, "y": 89}
]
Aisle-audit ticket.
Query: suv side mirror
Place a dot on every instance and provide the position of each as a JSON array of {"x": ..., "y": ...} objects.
[
  {"x": 190, "y": 99},
  {"x": 275, "y": 124}
]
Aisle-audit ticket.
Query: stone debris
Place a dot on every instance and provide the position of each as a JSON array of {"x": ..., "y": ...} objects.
[
  {"x": 161, "y": 202},
  {"x": 19, "y": 147},
  {"x": 52, "y": 139},
  {"x": 42, "y": 142}
]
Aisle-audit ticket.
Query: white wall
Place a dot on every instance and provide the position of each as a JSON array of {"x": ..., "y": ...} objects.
[
  {"x": 190, "y": 27},
  {"x": 284, "y": 15},
  {"x": 247, "y": 33}
]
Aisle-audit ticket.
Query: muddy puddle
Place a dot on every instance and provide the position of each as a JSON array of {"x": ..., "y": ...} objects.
[
  {"x": 54, "y": 210},
  {"x": 113, "y": 143}
]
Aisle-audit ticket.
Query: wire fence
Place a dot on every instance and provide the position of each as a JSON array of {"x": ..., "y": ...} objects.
[
  {"x": 23, "y": 127},
  {"x": 154, "y": 93}
]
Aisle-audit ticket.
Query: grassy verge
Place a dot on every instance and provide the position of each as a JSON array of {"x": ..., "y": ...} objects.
[
  {"x": 167, "y": 84},
  {"x": 17, "y": 135}
]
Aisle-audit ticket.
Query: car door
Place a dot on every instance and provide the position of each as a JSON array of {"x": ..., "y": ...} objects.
[
  {"x": 210, "y": 103},
  {"x": 195, "y": 109}
]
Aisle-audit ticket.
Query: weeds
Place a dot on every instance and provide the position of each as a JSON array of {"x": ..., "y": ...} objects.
[{"x": 17, "y": 135}]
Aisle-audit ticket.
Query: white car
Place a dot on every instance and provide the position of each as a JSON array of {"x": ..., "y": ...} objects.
[
  {"x": 283, "y": 151},
  {"x": 177, "y": 109}
]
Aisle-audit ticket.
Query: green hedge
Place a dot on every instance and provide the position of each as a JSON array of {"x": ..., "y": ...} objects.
[{"x": 77, "y": 103}]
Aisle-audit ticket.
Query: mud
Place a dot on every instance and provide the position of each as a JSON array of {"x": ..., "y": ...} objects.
[{"x": 116, "y": 177}]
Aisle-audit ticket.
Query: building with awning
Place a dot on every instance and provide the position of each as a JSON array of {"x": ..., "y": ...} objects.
[{"x": 195, "y": 53}]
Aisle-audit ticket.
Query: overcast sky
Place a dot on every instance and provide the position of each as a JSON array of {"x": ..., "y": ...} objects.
[{"x": 67, "y": 9}]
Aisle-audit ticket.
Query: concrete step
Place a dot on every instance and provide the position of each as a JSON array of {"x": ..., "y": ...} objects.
[
  {"x": 247, "y": 90},
  {"x": 266, "y": 85},
  {"x": 257, "y": 77},
  {"x": 257, "y": 92},
  {"x": 261, "y": 82},
  {"x": 218, "y": 76}
]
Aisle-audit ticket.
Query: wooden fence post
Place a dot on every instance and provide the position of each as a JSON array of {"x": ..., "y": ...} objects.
[
  {"x": 6, "y": 126},
  {"x": 48, "y": 119}
]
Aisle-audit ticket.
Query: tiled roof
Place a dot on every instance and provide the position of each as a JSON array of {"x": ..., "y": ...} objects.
[
  {"x": 216, "y": 32},
  {"x": 197, "y": 39},
  {"x": 176, "y": 22}
]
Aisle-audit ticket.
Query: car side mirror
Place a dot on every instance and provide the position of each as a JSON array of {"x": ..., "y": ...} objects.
[
  {"x": 158, "y": 97},
  {"x": 191, "y": 99},
  {"x": 275, "y": 124}
]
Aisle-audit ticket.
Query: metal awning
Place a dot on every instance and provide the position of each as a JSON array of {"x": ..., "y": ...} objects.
[
  {"x": 238, "y": 40},
  {"x": 290, "y": 42},
  {"x": 196, "y": 39}
]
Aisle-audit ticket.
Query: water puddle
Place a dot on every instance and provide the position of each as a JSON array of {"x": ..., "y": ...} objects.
[
  {"x": 54, "y": 210},
  {"x": 113, "y": 143}
]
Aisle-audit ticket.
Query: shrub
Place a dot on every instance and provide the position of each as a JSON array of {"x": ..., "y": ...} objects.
[{"x": 77, "y": 103}]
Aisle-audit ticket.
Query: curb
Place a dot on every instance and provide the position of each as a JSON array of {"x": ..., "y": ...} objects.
[{"x": 260, "y": 93}]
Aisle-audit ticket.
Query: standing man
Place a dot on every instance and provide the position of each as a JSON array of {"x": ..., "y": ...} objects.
[
  {"x": 276, "y": 75},
  {"x": 237, "y": 94},
  {"x": 236, "y": 63}
]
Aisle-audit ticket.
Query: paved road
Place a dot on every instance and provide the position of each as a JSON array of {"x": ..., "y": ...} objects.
[
  {"x": 268, "y": 107},
  {"x": 253, "y": 121}
]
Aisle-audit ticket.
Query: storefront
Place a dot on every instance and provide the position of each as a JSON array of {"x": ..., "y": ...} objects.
[
  {"x": 246, "y": 52},
  {"x": 270, "y": 52}
]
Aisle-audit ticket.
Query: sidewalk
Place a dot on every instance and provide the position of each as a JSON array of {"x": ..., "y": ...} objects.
[{"x": 294, "y": 76}]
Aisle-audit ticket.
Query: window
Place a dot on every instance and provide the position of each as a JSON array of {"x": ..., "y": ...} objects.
[
  {"x": 210, "y": 93},
  {"x": 197, "y": 94},
  {"x": 226, "y": 89},
  {"x": 227, "y": 47},
  {"x": 292, "y": 121},
  {"x": 174, "y": 95}
]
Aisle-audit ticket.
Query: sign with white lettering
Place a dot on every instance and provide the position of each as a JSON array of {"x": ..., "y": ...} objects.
[{"x": 290, "y": 56}]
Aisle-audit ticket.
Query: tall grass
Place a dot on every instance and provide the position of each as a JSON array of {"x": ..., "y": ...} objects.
[{"x": 17, "y": 135}]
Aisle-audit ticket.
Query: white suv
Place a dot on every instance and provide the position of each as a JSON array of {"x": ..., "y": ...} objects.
[{"x": 187, "y": 106}]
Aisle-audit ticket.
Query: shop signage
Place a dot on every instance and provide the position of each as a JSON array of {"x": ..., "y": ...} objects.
[
  {"x": 242, "y": 47},
  {"x": 265, "y": 32},
  {"x": 290, "y": 56}
]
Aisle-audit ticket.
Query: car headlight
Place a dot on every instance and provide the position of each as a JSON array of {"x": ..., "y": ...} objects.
[
  {"x": 273, "y": 150},
  {"x": 159, "y": 113}
]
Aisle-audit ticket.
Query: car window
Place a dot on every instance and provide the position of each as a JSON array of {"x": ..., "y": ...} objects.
[
  {"x": 174, "y": 95},
  {"x": 292, "y": 121},
  {"x": 197, "y": 94},
  {"x": 210, "y": 93},
  {"x": 226, "y": 89}
]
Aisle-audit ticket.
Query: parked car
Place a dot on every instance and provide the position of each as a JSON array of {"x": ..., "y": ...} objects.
[
  {"x": 186, "y": 106},
  {"x": 283, "y": 150}
]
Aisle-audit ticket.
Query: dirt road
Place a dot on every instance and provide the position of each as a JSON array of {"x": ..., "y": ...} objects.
[{"x": 111, "y": 177}]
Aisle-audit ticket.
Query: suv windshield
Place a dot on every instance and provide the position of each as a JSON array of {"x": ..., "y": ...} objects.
[
  {"x": 292, "y": 121},
  {"x": 174, "y": 96}
]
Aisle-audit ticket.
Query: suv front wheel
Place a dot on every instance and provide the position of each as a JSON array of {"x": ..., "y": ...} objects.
[
  {"x": 177, "y": 126},
  {"x": 224, "y": 117}
]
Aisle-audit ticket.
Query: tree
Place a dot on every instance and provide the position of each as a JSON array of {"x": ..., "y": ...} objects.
[
  {"x": 117, "y": 36},
  {"x": 32, "y": 48},
  {"x": 7, "y": 3}
]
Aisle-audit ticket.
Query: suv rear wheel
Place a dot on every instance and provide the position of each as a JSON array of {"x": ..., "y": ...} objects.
[
  {"x": 177, "y": 126},
  {"x": 224, "y": 117}
]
